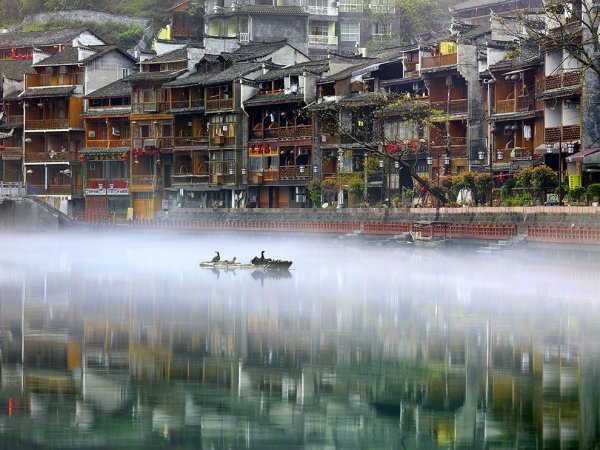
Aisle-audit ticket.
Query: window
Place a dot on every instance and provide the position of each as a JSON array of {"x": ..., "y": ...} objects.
[
  {"x": 382, "y": 29},
  {"x": 318, "y": 6},
  {"x": 351, "y": 6},
  {"x": 124, "y": 72},
  {"x": 319, "y": 28},
  {"x": 350, "y": 31}
]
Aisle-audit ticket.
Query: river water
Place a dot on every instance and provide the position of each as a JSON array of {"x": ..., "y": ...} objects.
[{"x": 121, "y": 340}]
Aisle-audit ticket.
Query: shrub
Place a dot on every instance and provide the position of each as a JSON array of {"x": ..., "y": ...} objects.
[{"x": 593, "y": 191}]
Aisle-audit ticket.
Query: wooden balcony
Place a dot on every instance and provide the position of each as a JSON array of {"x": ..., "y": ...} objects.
[
  {"x": 189, "y": 103},
  {"x": 14, "y": 119},
  {"x": 566, "y": 133},
  {"x": 47, "y": 124},
  {"x": 456, "y": 151},
  {"x": 61, "y": 79},
  {"x": 295, "y": 172},
  {"x": 223, "y": 172},
  {"x": 108, "y": 143},
  {"x": 53, "y": 189},
  {"x": 153, "y": 143},
  {"x": 428, "y": 62},
  {"x": 260, "y": 176},
  {"x": 190, "y": 141},
  {"x": 12, "y": 154},
  {"x": 521, "y": 103},
  {"x": 220, "y": 104},
  {"x": 189, "y": 179},
  {"x": 221, "y": 141},
  {"x": 107, "y": 186},
  {"x": 459, "y": 106},
  {"x": 562, "y": 80},
  {"x": 282, "y": 133},
  {"x": 51, "y": 157},
  {"x": 145, "y": 183},
  {"x": 149, "y": 107}
]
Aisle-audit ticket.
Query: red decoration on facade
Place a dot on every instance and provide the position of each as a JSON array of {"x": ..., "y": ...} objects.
[
  {"x": 82, "y": 158},
  {"x": 392, "y": 148}
]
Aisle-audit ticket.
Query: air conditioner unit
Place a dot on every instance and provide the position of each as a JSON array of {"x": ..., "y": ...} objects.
[
  {"x": 334, "y": 4},
  {"x": 150, "y": 143}
]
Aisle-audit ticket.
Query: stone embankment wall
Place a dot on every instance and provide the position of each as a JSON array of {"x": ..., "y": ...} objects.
[
  {"x": 521, "y": 217},
  {"x": 28, "y": 215}
]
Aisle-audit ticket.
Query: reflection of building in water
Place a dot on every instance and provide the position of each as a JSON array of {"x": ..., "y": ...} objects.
[{"x": 445, "y": 374}]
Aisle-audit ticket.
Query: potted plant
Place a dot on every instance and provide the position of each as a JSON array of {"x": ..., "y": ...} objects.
[
  {"x": 593, "y": 191},
  {"x": 576, "y": 192}
]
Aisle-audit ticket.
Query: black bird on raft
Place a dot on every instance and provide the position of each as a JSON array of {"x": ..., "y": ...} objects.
[{"x": 216, "y": 258}]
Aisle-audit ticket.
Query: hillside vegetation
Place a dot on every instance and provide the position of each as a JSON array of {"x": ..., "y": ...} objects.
[{"x": 12, "y": 12}]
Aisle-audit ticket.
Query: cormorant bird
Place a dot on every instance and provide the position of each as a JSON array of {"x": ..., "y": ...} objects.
[
  {"x": 216, "y": 258},
  {"x": 262, "y": 256}
]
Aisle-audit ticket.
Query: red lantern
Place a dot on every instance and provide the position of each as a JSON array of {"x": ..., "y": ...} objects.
[
  {"x": 423, "y": 190},
  {"x": 81, "y": 159}
]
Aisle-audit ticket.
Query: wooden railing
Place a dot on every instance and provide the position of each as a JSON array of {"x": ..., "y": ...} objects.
[
  {"x": 297, "y": 132},
  {"x": 459, "y": 106},
  {"x": 189, "y": 103},
  {"x": 187, "y": 179},
  {"x": 456, "y": 151},
  {"x": 53, "y": 189},
  {"x": 226, "y": 141},
  {"x": 108, "y": 143},
  {"x": 12, "y": 153},
  {"x": 149, "y": 107},
  {"x": 189, "y": 141},
  {"x": 12, "y": 189},
  {"x": 521, "y": 103},
  {"x": 219, "y": 104},
  {"x": 63, "y": 79},
  {"x": 438, "y": 61},
  {"x": 302, "y": 172},
  {"x": 566, "y": 133},
  {"x": 31, "y": 157},
  {"x": 14, "y": 119},
  {"x": 146, "y": 180},
  {"x": 563, "y": 79},
  {"x": 46, "y": 124}
]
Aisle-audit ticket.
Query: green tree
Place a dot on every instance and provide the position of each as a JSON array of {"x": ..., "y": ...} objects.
[{"x": 314, "y": 192}]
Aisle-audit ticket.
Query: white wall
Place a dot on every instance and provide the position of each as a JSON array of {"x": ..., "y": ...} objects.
[
  {"x": 553, "y": 62},
  {"x": 287, "y": 56},
  {"x": 165, "y": 47},
  {"x": 105, "y": 70},
  {"x": 570, "y": 113},
  {"x": 552, "y": 117},
  {"x": 215, "y": 46},
  {"x": 87, "y": 38},
  {"x": 569, "y": 63}
]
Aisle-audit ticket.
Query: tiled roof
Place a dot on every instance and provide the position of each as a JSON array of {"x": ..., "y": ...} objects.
[
  {"x": 118, "y": 88},
  {"x": 68, "y": 56},
  {"x": 260, "y": 99},
  {"x": 475, "y": 32},
  {"x": 6, "y": 135},
  {"x": 513, "y": 116},
  {"x": 15, "y": 69},
  {"x": 193, "y": 109},
  {"x": 255, "y": 50},
  {"x": 559, "y": 92},
  {"x": 469, "y": 4},
  {"x": 391, "y": 53},
  {"x": 191, "y": 80},
  {"x": 108, "y": 111},
  {"x": 154, "y": 76},
  {"x": 347, "y": 72},
  {"x": 181, "y": 54},
  {"x": 55, "y": 91},
  {"x": 263, "y": 9},
  {"x": 103, "y": 150},
  {"x": 316, "y": 67},
  {"x": 38, "y": 38},
  {"x": 529, "y": 55},
  {"x": 237, "y": 70}
]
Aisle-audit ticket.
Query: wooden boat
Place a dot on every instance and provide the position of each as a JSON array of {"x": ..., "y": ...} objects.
[{"x": 431, "y": 234}]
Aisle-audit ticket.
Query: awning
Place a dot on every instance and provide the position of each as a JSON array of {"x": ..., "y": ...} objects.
[{"x": 582, "y": 154}]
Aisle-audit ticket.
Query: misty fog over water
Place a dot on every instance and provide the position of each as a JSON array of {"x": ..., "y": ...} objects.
[{"x": 121, "y": 340}]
